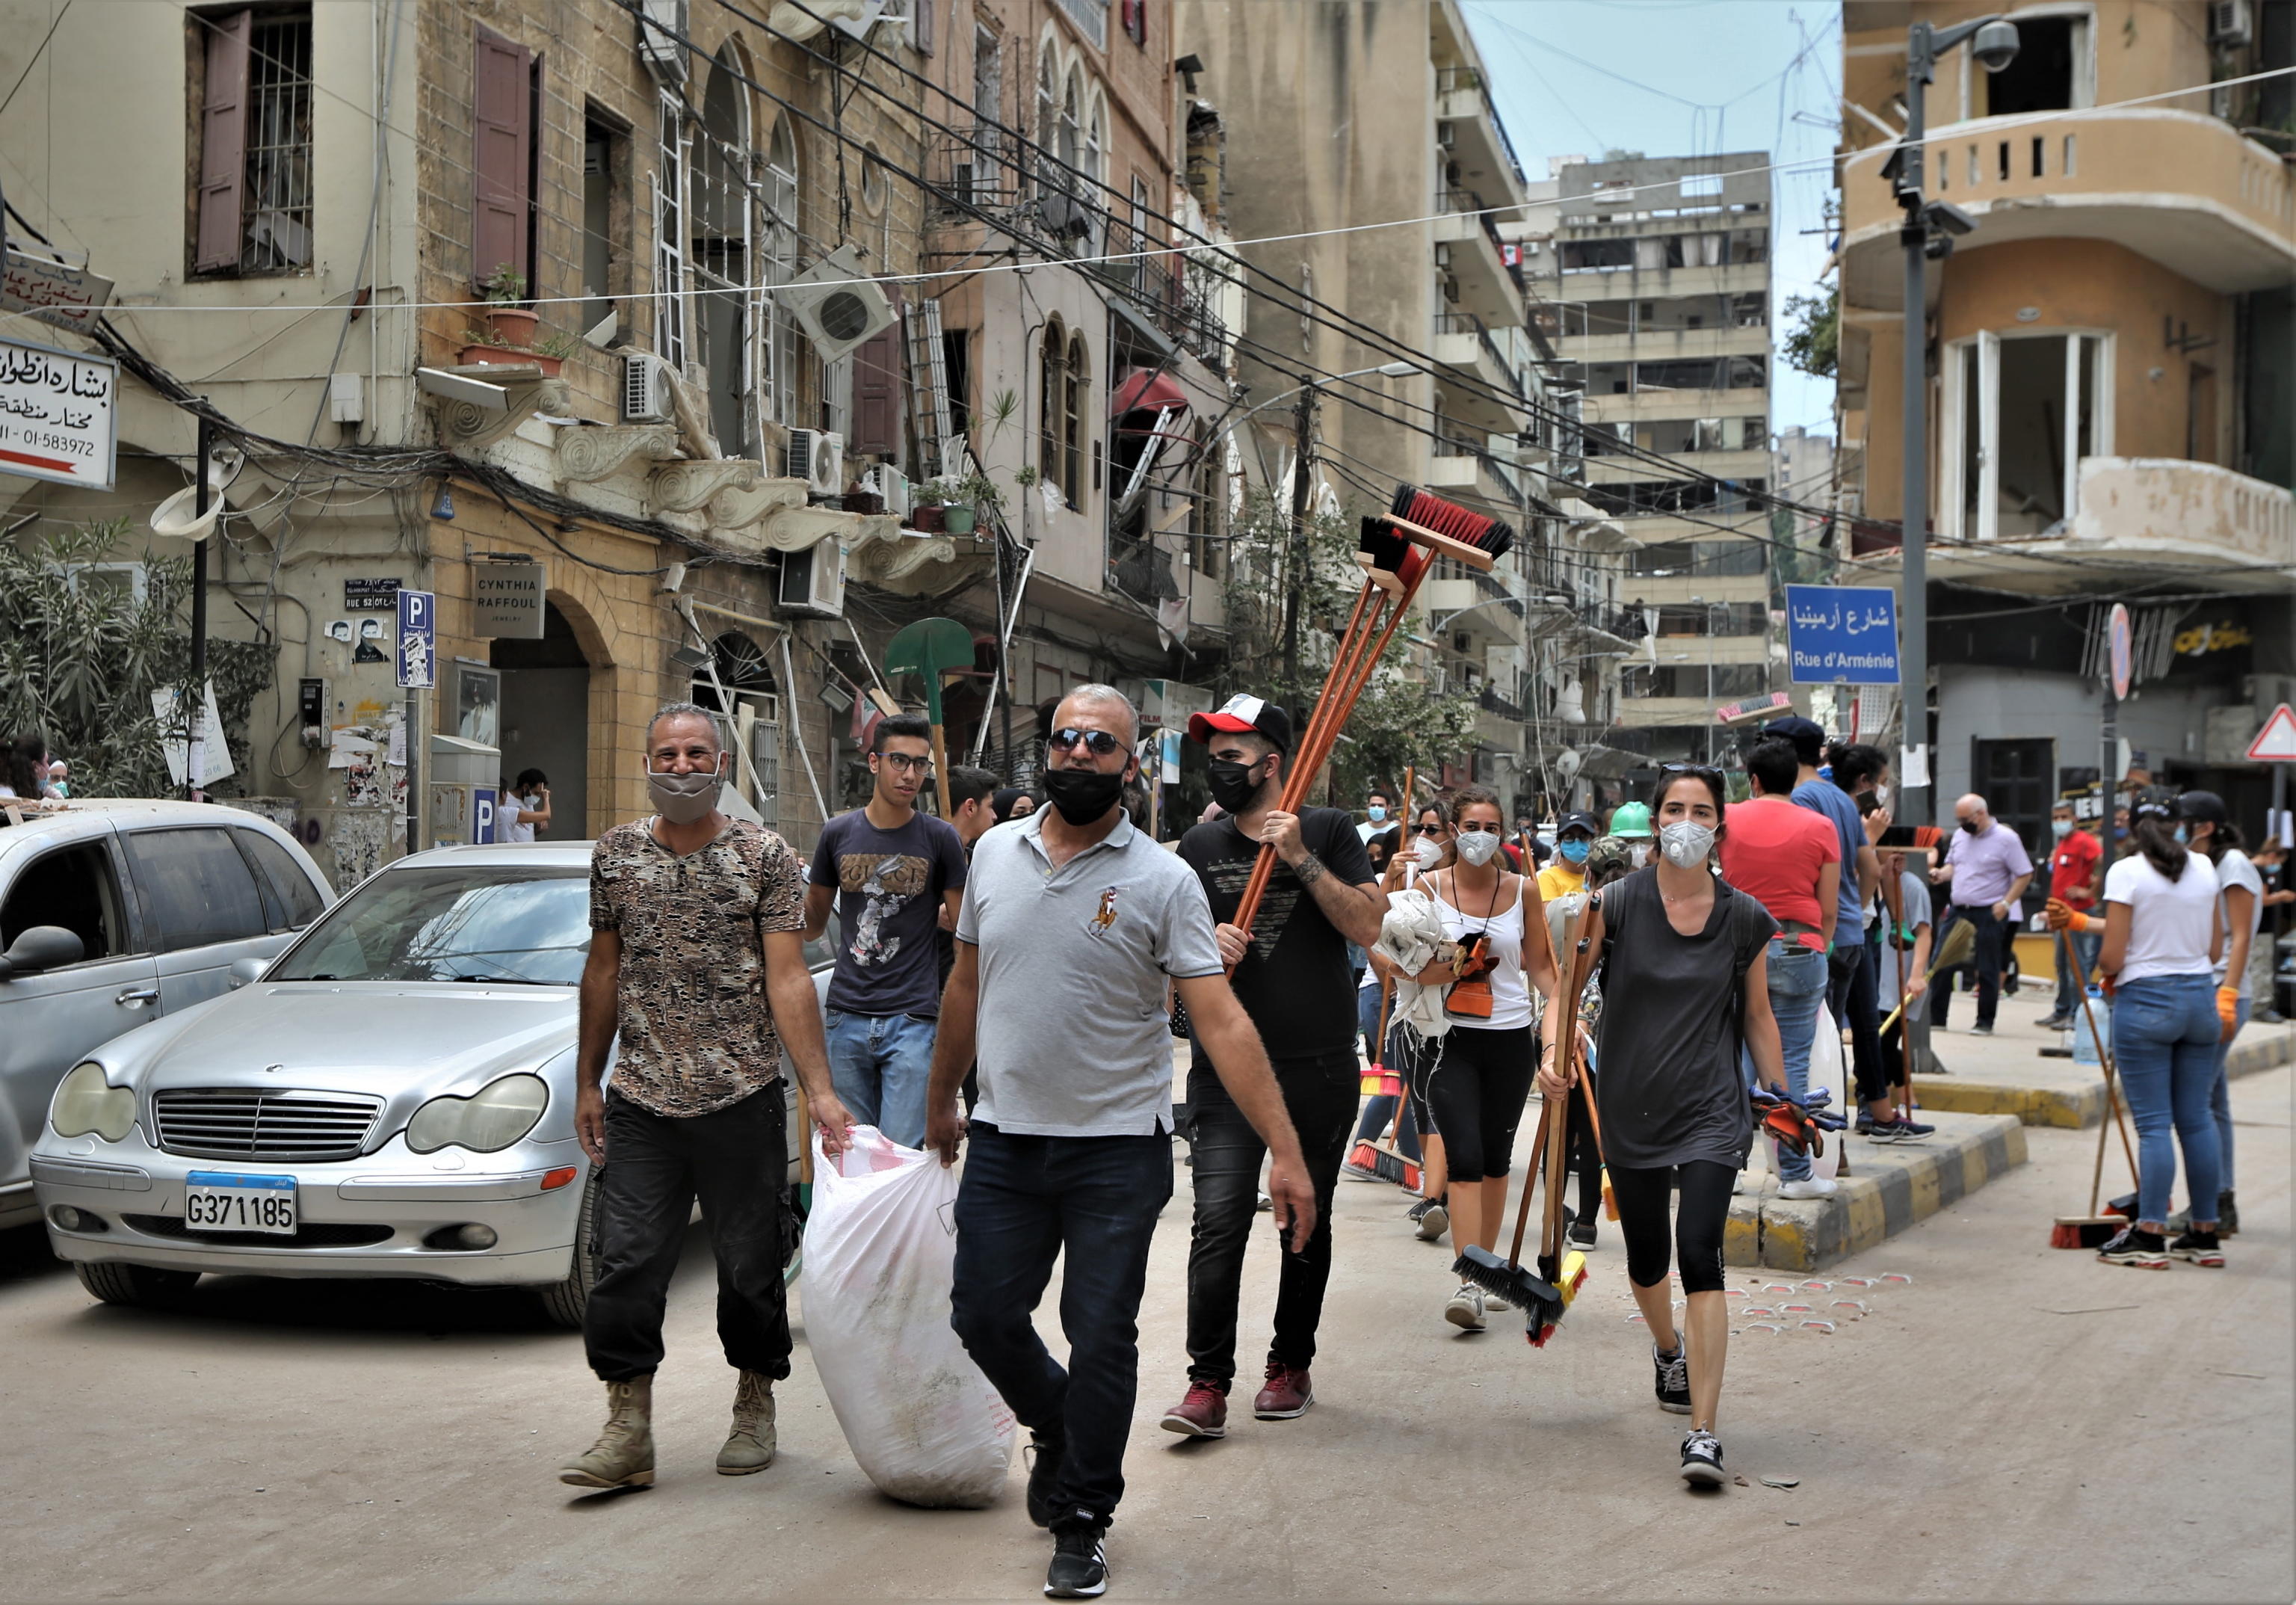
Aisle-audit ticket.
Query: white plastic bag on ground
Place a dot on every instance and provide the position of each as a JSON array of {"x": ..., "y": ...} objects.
[
  {"x": 1826, "y": 1073},
  {"x": 880, "y": 1252}
]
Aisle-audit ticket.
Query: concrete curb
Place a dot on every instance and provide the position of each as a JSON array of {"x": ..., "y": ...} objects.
[
  {"x": 1893, "y": 1187},
  {"x": 2078, "y": 1101}
]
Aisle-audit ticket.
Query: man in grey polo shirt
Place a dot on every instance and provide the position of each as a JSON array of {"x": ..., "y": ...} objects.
[{"x": 1074, "y": 925}]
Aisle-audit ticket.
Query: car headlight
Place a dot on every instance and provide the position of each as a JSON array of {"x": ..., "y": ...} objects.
[
  {"x": 494, "y": 1116},
  {"x": 86, "y": 1103}
]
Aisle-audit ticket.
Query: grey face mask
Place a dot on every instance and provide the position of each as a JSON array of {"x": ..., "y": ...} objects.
[{"x": 684, "y": 799}]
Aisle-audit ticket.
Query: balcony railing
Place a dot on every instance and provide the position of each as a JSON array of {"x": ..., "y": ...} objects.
[
  {"x": 1467, "y": 323},
  {"x": 1449, "y": 80},
  {"x": 1467, "y": 203}
]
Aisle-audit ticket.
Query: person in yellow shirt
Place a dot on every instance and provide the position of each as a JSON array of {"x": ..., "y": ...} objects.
[{"x": 1568, "y": 873}]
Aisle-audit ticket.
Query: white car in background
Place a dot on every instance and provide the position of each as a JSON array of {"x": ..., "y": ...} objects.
[{"x": 393, "y": 1096}]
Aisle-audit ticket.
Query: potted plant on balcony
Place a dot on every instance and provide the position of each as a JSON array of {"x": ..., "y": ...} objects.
[
  {"x": 503, "y": 290},
  {"x": 482, "y": 347},
  {"x": 927, "y": 504}
]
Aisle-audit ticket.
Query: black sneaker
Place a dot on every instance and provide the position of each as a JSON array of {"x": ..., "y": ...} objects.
[
  {"x": 1582, "y": 1236},
  {"x": 1044, "y": 1456},
  {"x": 1673, "y": 1381},
  {"x": 2137, "y": 1246},
  {"x": 1980, "y": 1029},
  {"x": 1079, "y": 1568},
  {"x": 2227, "y": 1216},
  {"x": 2200, "y": 1248},
  {"x": 2057, "y": 1022},
  {"x": 1864, "y": 1126},
  {"x": 1701, "y": 1460},
  {"x": 1431, "y": 1218},
  {"x": 1900, "y": 1130}
]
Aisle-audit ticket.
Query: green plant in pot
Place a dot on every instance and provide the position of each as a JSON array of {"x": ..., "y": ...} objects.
[{"x": 503, "y": 290}]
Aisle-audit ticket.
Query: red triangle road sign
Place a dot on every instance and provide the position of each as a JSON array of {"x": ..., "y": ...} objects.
[{"x": 2277, "y": 742}]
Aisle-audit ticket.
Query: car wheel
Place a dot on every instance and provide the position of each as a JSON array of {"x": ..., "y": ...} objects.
[
  {"x": 134, "y": 1285},
  {"x": 565, "y": 1303}
]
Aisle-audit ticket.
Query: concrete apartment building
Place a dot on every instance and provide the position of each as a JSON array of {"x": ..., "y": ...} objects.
[
  {"x": 1652, "y": 277},
  {"x": 2109, "y": 363},
  {"x": 1354, "y": 112}
]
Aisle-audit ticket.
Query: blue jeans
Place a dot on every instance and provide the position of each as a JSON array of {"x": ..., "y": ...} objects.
[
  {"x": 2164, "y": 1041},
  {"x": 1380, "y": 1109},
  {"x": 2087, "y": 946},
  {"x": 2220, "y": 1100},
  {"x": 1798, "y": 978},
  {"x": 880, "y": 1064},
  {"x": 1092, "y": 1202}
]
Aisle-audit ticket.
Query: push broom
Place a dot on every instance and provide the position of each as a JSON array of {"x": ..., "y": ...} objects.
[
  {"x": 1952, "y": 953},
  {"x": 1543, "y": 1295},
  {"x": 2093, "y": 1230},
  {"x": 1396, "y": 552}
]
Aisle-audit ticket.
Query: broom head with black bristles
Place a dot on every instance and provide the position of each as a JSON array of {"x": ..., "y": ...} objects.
[
  {"x": 1519, "y": 1285},
  {"x": 1538, "y": 1324}
]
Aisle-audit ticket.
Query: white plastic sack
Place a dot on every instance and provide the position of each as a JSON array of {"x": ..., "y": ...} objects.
[
  {"x": 880, "y": 1255},
  {"x": 1825, "y": 1075}
]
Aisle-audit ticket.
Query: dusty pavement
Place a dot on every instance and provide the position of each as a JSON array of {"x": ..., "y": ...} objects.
[{"x": 2015, "y": 1423}]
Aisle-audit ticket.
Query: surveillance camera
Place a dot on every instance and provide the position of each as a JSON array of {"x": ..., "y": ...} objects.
[
  {"x": 1938, "y": 247},
  {"x": 1995, "y": 46},
  {"x": 1947, "y": 216}
]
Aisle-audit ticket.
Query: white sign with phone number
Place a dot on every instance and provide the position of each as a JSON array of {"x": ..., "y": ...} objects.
[{"x": 58, "y": 414}]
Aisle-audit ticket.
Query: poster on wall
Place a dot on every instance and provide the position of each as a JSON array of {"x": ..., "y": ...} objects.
[{"x": 477, "y": 704}]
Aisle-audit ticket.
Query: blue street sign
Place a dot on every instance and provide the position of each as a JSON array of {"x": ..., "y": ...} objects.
[
  {"x": 418, "y": 640},
  {"x": 1841, "y": 635},
  {"x": 482, "y": 815}
]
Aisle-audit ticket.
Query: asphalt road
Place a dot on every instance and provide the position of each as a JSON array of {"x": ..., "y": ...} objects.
[{"x": 2012, "y": 1423}]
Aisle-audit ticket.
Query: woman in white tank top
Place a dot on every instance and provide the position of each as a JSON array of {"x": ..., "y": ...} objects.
[{"x": 1479, "y": 1075}]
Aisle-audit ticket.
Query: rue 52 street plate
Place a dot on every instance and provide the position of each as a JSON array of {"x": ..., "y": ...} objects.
[{"x": 233, "y": 1201}]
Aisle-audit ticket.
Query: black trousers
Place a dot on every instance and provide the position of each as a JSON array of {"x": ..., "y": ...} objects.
[
  {"x": 1703, "y": 1212},
  {"x": 1478, "y": 1083},
  {"x": 1992, "y": 943},
  {"x": 735, "y": 1161},
  {"x": 1320, "y": 1095},
  {"x": 1853, "y": 984}
]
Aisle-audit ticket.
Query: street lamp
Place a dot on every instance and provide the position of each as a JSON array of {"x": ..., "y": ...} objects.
[{"x": 1928, "y": 232}]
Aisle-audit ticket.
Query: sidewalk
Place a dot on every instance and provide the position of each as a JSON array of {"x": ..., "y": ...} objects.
[
  {"x": 2006, "y": 1074},
  {"x": 1891, "y": 1187}
]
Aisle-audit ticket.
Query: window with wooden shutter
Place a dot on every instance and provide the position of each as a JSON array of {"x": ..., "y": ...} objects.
[
  {"x": 223, "y": 143},
  {"x": 877, "y": 392},
  {"x": 922, "y": 28},
  {"x": 501, "y": 161}
]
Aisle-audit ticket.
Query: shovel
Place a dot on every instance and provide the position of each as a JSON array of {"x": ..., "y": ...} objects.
[{"x": 932, "y": 648}]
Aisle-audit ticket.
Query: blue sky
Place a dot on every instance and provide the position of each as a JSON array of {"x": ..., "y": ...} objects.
[{"x": 1691, "y": 76}]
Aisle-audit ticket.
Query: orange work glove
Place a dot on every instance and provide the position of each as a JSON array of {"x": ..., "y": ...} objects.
[
  {"x": 2228, "y": 1009},
  {"x": 2059, "y": 917}
]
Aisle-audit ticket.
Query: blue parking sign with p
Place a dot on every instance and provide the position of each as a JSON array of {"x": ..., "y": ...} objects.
[{"x": 418, "y": 639}]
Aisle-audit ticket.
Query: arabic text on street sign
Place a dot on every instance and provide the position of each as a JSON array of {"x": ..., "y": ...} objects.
[
  {"x": 57, "y": 420},
  {"x": 63, "y": 294},
  {"x": 418, "y": 640},
  {"x": 1841, "y": 635}
]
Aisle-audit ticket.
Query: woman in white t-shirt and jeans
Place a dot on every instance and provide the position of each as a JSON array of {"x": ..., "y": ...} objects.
[{"x": 2161, "y": 937}]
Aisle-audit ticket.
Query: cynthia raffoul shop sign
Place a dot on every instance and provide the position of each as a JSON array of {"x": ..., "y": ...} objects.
[{"x": 506, "y": 600}]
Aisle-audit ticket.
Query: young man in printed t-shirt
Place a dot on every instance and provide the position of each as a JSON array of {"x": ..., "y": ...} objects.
[{"x": 891, "y": 871}]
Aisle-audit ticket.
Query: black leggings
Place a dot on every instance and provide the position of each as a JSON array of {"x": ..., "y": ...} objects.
[
  {"x": 1476, "y": 1081},
  {"x": 1641, "y": 1196}
]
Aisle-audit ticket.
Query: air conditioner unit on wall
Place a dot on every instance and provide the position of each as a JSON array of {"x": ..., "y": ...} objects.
[
  {"x": 836, "y": 305},
  {"x": 893, "y": 485},
  {"x": 813, "y": 581},
  {"x": 661, "y": 32},
  {"x": 817, "y": 457},
  {"x": 2228, "y": 22},
  {"x": 645, "y": 389}
]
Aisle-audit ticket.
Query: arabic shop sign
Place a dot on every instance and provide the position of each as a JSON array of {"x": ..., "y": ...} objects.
[
  {"x": 56, "y": 290},
  {"x": 57, "y": 417},
  {"x": 1841, "y": 635}
]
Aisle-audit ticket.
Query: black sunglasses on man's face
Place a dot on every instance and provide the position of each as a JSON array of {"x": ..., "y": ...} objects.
[{"x": 1100, "y": 743}]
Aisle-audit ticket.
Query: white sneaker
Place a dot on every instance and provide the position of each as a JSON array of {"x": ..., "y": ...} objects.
[
  {"x": 1466, "y": 1310},
  {"x": 1810, "y": 1186}
]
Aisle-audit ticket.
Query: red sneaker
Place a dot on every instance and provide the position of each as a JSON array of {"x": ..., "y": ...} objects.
[
  {"x": 1288, "y": 1393},
  {"x": 1203, "y": 1413}
]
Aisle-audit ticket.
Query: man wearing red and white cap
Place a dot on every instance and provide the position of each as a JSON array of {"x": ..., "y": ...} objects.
[{"x": 1292, "y": 977}]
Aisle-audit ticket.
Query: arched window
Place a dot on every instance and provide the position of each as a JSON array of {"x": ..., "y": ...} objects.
[
  {"x": 1047, "y": 176},
  {"x": 1053, "y": 410},
  {"x": 1067, "y": 139},
  {"x": 783, "y": 345},
  {"x": 722, "y": 218},
  {"x": 1094, "y": 164},
  {"x": 1076, "y": 373}
]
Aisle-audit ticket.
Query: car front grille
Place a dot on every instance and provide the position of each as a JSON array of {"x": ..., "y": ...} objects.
[
  {"x": 310, "y": 1234},
  {"x": 233, "y": 1123}
]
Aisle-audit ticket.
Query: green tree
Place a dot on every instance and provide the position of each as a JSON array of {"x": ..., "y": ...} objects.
[
  {"x": 79, "y": 662},
  {"x": 1814, "y": 337},
  {"x": 1400, "y": 722}
]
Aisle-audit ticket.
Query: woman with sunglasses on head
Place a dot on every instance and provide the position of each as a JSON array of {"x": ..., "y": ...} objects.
[
  {"x": 2163, "y": 934},
  {"x": 1683, "y": 985},
  {"x": 1476, "y": 1077}
]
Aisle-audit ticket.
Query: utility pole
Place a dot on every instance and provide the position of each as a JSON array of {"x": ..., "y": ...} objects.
[
  {"x": 1303, "y": 428},
  {"x": 1928, "y": 232},
  {"x": 196, "y": 698}
]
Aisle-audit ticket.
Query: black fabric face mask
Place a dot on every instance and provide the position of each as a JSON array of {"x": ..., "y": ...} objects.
[
  {"x": 1083, "y": 796},
  {"x": 1231, "y": 784}
]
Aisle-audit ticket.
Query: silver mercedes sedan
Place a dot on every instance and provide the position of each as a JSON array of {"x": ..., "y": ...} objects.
[{"x": 393, "y": 1095}]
